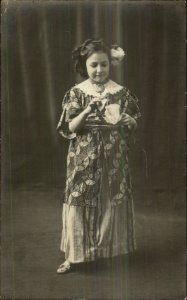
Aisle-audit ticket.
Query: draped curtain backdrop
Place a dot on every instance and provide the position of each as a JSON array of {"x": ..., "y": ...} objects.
[{"x": 38, "y": 37}]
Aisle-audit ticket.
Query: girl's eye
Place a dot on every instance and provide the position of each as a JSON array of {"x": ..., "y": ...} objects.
[{"x": 94, "y": 65}]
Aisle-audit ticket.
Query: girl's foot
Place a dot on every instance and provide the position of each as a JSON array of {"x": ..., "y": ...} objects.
[{"x": 65, "y": 267}]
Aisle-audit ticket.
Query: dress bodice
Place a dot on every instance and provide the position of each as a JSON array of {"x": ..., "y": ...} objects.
[{"x": 79, "y": 97}]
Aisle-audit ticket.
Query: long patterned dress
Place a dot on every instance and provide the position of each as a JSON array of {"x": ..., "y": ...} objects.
[{"x": 98, "y": 215}]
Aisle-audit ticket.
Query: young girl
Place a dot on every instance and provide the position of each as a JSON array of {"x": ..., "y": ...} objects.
[{"x": 98, "y": 118}]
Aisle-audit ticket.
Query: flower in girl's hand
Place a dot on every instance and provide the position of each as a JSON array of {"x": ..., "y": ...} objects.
[{"x": 112, "y": 113}]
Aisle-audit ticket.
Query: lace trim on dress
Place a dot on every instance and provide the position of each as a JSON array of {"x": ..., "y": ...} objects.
[{"x": 88, "y": 88}]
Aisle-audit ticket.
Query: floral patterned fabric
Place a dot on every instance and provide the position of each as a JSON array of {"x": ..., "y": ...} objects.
[{"x": 97, "y": 142}]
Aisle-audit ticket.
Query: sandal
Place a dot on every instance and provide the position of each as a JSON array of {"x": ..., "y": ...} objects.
[{"x": 65, "y": 267}]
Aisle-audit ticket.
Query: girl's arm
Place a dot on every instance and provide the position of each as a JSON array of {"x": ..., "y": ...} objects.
[{"x": 77, "y": 122}]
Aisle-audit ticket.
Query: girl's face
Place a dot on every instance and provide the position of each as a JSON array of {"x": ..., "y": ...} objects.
[{"x": 98, "y": 66}]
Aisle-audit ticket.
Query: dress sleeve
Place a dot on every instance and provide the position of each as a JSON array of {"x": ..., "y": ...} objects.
[
  {"x": 131, "y": 106},
  {"x": 71, "y": 107}
]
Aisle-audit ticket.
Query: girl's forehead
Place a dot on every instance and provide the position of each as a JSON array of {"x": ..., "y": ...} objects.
[{"x": 98, "y": 56}]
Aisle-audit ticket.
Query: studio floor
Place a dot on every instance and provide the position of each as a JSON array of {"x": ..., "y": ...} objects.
[{"x": 31, "y": 230}]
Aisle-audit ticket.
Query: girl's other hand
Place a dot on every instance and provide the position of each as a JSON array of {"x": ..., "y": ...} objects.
[{"x": 128, "y": 120}]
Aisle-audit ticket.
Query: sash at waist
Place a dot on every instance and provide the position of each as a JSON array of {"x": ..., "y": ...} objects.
[{"x": 104, "y": 126}]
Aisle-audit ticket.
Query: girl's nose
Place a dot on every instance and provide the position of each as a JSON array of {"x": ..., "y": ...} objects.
[{"x": 99, "y": 69}]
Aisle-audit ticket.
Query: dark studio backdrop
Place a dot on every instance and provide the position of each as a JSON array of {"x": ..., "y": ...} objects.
[{"x": 37, "y": 70}]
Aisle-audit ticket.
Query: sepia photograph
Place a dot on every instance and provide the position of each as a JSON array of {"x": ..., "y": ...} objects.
[{"x": 93, "y": 203}]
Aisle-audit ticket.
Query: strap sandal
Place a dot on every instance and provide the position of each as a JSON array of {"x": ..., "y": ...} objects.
[{"x": 64, "y": 268}]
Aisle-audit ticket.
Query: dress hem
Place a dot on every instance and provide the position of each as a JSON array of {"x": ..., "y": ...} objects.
[{"x": 100, "y": 254}]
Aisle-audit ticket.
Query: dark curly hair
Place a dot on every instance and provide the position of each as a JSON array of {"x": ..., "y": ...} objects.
[{"x": 81, "y": 53}]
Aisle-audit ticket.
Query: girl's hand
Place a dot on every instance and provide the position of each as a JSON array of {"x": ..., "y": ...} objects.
[
  {"x": 128, "y": 120},
  {"x": 77, "y": 122},
  {"x": 94, "y": 103}
]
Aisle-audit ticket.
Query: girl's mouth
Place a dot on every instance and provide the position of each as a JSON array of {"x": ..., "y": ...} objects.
[{"x": 99, "y": 75}]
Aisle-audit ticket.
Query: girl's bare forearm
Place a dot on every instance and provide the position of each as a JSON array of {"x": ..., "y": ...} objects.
[{"x": 77, "y": 122}]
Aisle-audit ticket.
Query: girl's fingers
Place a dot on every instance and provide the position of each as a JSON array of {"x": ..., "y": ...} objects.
[
  {"x": 126, "y": 119},
  {"x": 95, "y": 101},
  {"x": 125, "y": 115}
]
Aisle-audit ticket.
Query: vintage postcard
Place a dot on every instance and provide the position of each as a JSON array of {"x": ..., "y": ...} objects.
[{"x": 93, "y": 150}]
